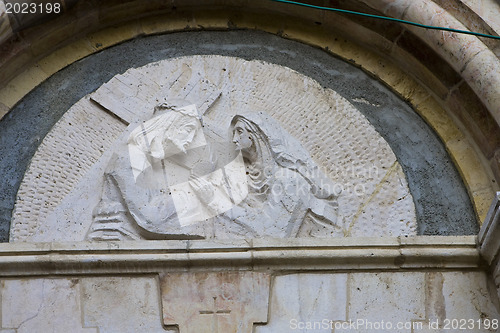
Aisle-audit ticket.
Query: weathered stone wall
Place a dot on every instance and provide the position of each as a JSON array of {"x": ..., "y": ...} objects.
[
  {"x": 450, "y": 106},
  {"x": 299, "y": 302},
  {"x": 489, "y": 241},
  {"x": 429, "y": 172},
  {"x": 452, "y": 83},
  {"x": 423, "y": 284},
  {"x": 57, "y": 196},
  {"x": 430, "y": 57}
]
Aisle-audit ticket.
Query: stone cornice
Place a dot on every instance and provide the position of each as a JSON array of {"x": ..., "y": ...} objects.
[{"x": 143, "y": 257}]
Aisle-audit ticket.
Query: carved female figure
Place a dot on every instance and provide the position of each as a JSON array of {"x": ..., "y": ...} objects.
[{"x": 288, "y": 196}]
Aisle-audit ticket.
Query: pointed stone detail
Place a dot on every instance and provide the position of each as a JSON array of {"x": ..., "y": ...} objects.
[{"x": 489, "y": 240}]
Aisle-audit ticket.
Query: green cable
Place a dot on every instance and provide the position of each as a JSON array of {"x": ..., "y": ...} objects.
[{"x": 389, "y": 19}]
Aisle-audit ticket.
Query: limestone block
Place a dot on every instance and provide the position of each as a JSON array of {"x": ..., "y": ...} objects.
[
  {"x": 435, "y": 307},
  {"x": 5, "y": 26},
  {"x": 3, "y": 110},
  {"x": 391, "y": 297},
  {"x": 480, "y": 122},
  {"x": 482, "y": 202},
  {"x": 459, "y": 301},
  {"x": 167, "y": 23},
  {"x": 483, "y": 68},
  {"x": 487, "y": 10},
  {"x": 66, "y": 56},
  {"x": 417, "y": 301},
  {"x": 489, "y": 235},
  {"x": 458, "y": 48},
  {"x": 473, "y": 17},
  {"x": 488, "y": 240},
  {"x": 55, "y": 32},
  {"x": 121, "y": 304},
  {"x": 21, "y": 85},
  {"x": 43, "y": 305},
  {"x": 467, "y": 296},
  {"x": 437, "y": 117},
  {"x": 115, "y": 11},
  {"x": 465, "y": 53},
  {"x": 306, "y": 303},
  {"x": 214, "y": 302},
  {"x": 496, "y": 277},
  {"x": 413, "y": 53},
  {"x": 469, "y": 165},
  {"x": 113, "y": 35},
  {"x": 391, "y": 8}
]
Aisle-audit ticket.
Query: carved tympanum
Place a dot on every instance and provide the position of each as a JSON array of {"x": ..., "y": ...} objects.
[{"x": 169, "y": 182}]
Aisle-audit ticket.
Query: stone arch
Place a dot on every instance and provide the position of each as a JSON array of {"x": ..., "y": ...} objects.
[{"x": 451, "y": 100}]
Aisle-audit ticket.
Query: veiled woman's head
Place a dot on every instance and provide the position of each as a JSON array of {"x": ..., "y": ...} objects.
[
  {"x": 241, "y": 134},
  {"x": 245, "y": 133},
  {"x": 250, "y": 139}
]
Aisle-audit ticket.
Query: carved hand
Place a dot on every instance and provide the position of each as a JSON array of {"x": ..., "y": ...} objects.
[{"x": 203, "y": 189}]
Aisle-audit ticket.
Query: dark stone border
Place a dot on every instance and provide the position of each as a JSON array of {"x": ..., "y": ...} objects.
[{"x": 442, "y": 204}]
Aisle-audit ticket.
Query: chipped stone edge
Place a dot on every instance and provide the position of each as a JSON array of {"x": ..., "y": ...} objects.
[
  {"x": 489, "y": 235},
  {"x": 340, "y": 254},
  {"x": 489, "y": 240}
]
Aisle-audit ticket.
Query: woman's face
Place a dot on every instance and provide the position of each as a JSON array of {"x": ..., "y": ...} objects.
[{"x": 241, "y": 136}]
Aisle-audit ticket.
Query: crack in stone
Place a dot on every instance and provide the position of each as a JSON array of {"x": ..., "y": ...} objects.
[{"x": 38, "y": 310}]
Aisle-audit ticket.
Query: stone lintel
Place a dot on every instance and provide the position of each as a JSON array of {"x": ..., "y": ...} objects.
[{"x": 342, "y": 254}]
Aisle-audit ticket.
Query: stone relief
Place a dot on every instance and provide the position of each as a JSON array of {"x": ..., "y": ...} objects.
[
  {"x": 169, "y": 182},
  {"x": 212, "y": 147},
  {"x": 288, "y": 195}
]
